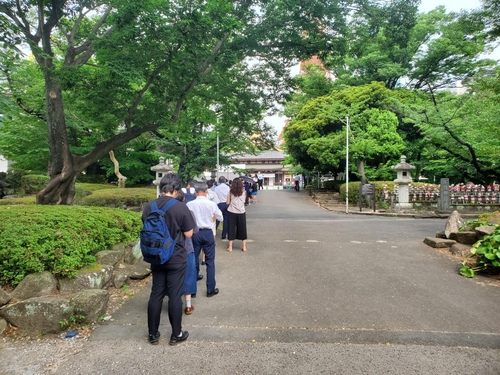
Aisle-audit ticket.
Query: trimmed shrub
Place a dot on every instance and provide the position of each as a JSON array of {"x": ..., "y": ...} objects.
[
  {"x": 119, "y": 197},
  {"x": 92, "y": 178},
  {"x": 355, "y": 186},
  {"x": 332, "y": 185},
  {"x": 32, "y": 183},
  {"x": 58, "y": 239}
]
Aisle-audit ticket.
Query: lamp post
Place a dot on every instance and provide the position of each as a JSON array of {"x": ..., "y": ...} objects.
[
  {"x": 217, "y": 172},
  {"x": 347, "y": 165}
]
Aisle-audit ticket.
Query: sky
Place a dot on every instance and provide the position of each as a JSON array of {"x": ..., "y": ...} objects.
[{"x": 425, "y": 5}]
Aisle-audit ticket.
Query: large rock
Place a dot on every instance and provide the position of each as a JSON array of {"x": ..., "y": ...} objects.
[
  {"x": 3, "y": 325},
  {"x": 90, "y": 303},
  {"x": 120, "y": 279},
  {"x": 484, "y": 230},
  {"x": 460, "y": 249},
  {"x": 93, "y": 277},
  {"x": 453, "y": 223},
  {"x": 468, "y": 238},
  {"x": 108, "y": 257},
  {"x": 4, "y": 297},
  {"x": 439, "y": 242},
  {"x": 133, "y": 253},
  {"x": 38, "y": 314},
  {"x": 137, "y": 271},
  {"x": 35, "y": 285}
]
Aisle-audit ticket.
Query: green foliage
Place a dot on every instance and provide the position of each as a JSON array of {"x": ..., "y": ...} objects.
[
  {"x": 354, "y": 187},
  {"x": 31, "y": 199},
  {"x": 332, "y": 185},
  {"x": 485, "y": 219},
  {"x": 119, "y": 197},
  {"x": 486, "y": 253},
  {"x": 76, "y": 317},
  {"x": 32, "y": 184},
  {"x": 58, "y": 239},
  {"x": 14, "y": 176}
]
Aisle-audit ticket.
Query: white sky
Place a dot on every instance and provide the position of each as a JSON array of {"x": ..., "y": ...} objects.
[{"x": 426, "y": 5}]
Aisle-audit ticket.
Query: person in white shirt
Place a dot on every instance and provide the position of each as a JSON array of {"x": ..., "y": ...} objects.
[
  {"x": 204, "y": 211},
  {"x": 222, "y": 192}
]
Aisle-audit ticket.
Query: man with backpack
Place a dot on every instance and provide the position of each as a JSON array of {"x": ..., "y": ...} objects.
[{"x": 168, "y": 267}]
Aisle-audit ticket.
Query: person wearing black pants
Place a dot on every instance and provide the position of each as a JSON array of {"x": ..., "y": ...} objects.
[{"x": 168, "y": 278}]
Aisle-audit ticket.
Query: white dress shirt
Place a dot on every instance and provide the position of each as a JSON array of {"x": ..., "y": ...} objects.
[
  {"x": 204, "y": 211},
  {"x": 222, "y": 192}
]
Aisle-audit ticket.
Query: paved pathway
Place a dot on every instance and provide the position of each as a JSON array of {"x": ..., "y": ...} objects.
[{"x": 317, "y": 292}]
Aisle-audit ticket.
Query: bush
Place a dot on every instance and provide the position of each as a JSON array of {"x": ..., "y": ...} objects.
[
  {"x": 92, "y": 178},
  {"x": 486, "y": 252},
  {"x": 332, "y": 185},
  {"x": 59, "y": 239},
  {"x": 118, "y": 197},
  {"x": 32, "y": 184},
  {"x": 13, "y": 177},
  {"x": 355, "y": 186},
  {"x": 18, "y": 200}
]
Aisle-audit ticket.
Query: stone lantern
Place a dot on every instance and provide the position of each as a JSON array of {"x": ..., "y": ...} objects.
[
  {"x": 403, "y": 180},
  {"x": 161, "y": 170}
]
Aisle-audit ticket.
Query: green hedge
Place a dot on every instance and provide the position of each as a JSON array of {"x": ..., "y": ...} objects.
[
  {"x": 58, "y": 239},
  {"x": 354, "y": 190},
  {"x": 119, "y": 197},
  {"x": 332, "y": 185},
  {"x": 32, "y": 183}
]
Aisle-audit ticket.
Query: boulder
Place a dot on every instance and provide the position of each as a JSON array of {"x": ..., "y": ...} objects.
[
  {"x": 453, "y": 223},
  {"x": 4, "y": 297},
  {"x": 137, "y": 271},
  {"x": 460, "y": 249},
  {"x": 3, "y": 325},
  {"x": 133, "y": 253},
  {"x": 468, "y": 238},
  {"x": 108, "y": 257},
  {"x": 92, "y": 277},
  {"x": 439, "y": 242},
  {"x": 38, "y": 314},
  {"x": 441, "y": 234},
  {"x": 35, "y": 285},
  {"x": 120, "y": 279},
  {"x": 484, "y": 230},
  {"x": 90, "y": 303}
]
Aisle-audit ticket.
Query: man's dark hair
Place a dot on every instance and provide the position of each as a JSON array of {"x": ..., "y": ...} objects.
[
  {"x": 210, "y": 183},
  {"x": 191, "y": 183},
  {"x": 222, "y": 180},
  {"x": 170, "y": 183}
]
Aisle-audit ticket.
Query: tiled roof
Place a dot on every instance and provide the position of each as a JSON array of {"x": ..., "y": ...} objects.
[{"x": 271, "y": 154}]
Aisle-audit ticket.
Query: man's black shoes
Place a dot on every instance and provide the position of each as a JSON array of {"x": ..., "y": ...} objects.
[
  {"x": 154, "y": 339},
  {"x": 213, "y": 292},
  {"x": 174, "y": 340},
  {"x": 200, "y": 277}
]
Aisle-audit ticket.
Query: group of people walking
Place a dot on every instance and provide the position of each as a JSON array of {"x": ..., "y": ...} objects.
[{"x": 193, "y": 225}]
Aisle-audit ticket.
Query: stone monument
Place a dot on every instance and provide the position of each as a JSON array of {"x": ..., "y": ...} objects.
[
  {"x": 403, "y": 180},
  {"x": 161, "y": 169}
]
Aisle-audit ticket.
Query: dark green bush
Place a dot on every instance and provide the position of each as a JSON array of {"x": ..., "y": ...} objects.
[
  {"x": 92, "y": 178},
  {"x": 58, "y": 239},
  {"x": 355, "y": 186},
  {"x": 332, "y": 185},
  {"x": 13, "y": 177},
  {"x": 118, "y": 197},
  {"x": 32, "y": 184}
]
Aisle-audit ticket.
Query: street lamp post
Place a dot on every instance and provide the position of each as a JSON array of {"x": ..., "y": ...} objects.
[
  {"x": 347, "y": 166},
  {"x": 217, "y": 171}
]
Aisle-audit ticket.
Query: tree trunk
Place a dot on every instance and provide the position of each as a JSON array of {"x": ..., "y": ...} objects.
[
  {"x": 62, "y": 172},
  {"x": 361, "y": 170}
]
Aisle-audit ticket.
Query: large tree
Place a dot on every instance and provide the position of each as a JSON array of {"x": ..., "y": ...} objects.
[
  {"x": 133, "y": 65},
  {"x": 316, "y": 138}
]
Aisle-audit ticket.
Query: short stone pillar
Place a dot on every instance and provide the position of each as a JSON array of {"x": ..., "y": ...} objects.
[
  {"x": 161, "y": 169},
  {"x": 403, "y": 180}
]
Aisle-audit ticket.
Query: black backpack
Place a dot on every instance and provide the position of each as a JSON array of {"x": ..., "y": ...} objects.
[{"x": 157, "y": 245}]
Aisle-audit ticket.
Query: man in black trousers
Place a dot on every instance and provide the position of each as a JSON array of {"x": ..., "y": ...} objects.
[{"x": 168, "y": 278}]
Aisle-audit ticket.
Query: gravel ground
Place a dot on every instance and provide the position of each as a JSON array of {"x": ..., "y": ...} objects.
[{"x": 25, "y": 354}]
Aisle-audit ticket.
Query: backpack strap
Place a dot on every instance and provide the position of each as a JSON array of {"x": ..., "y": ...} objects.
[{"x": 165, "y": 208}]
